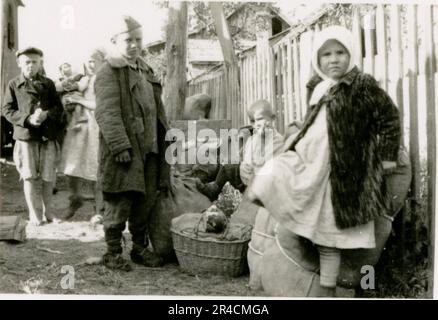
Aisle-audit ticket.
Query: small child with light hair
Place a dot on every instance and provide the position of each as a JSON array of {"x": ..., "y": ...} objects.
[
  {"x": 265, "y": 143},
  {"x": 262, "y": 143}
]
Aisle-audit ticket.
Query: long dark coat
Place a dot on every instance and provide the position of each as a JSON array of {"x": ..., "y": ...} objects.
[
  {"x": 127, "y": 103},
  {"x": 364, "y": 130}
]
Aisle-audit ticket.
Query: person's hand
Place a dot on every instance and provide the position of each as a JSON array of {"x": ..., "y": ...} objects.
[
  {"x": 389, "y": 165},
  {"x": 123, "y": 157},
  {"x": 33, "y": 120},
  {"x": 38, "y": 117},
  {"x": 42, "y": 116},
  {"x": 69, "y": 100}
]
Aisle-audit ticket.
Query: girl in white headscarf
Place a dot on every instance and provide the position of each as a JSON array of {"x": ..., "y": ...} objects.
[{"x": 327, "y": 187}]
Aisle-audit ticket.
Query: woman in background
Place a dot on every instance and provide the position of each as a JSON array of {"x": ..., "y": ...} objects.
[{"x": 79, "y": 151}]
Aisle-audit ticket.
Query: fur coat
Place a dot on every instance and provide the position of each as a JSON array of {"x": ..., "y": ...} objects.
[{"x": 364, "y": 129}]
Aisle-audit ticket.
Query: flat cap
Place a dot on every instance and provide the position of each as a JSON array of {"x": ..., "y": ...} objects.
[{"x": 29, "y": 50}]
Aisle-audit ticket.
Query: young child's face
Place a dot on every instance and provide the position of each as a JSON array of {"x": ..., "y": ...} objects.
[
  {"x": 66, "y": 70},
  {"x": 262, "y": 119},
  {"x": 333, "y": 59},
  {"x": 129, "y": 44},
  {"x": 30, "y": 64}
]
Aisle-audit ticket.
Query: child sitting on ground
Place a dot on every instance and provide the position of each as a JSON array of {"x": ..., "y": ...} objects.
[
  {"x": 70, "y": 88},
  {"x": 262, "y": 143}
]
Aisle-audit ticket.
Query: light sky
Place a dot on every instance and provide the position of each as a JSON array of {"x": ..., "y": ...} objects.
[{"x": 68, "y": 30}]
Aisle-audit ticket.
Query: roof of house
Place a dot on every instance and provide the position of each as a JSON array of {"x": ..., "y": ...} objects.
[
  {"x": 298, "y": 28},
  {"x": 238, "y": 9}
]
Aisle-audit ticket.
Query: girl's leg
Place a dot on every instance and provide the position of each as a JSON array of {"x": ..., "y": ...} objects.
[
  {"x": 47, "y": 197},
  {"x": 31, "y": 196},
  {"x": 330, "y": 264},
  {"x": 98, "y": 199}
]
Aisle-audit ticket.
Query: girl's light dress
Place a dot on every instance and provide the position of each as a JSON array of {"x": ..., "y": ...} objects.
[{"x": 295, "y": 188}]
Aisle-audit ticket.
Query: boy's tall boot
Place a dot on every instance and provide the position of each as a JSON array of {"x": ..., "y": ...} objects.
[{"x": 113, "y": 258}]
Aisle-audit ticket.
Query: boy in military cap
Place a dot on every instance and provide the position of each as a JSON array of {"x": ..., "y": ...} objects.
[
  {"x": 32, "y": 105},
  {"x": 132, "y": 123}
]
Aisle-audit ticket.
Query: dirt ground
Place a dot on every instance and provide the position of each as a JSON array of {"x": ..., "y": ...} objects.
[{"x": 35, "y": 265}]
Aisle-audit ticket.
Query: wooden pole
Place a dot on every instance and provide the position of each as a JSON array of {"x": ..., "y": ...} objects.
[
  {"x": 382, "y": 47},
  {"x": 175, "y": 85},
  {"x": 357, "y": 35},
  {"x": 231, "y": 69},
  {"x": 426, "y": 16},
  {"x": 369, "y": 26},
  {"x": 223, "y": 33}
]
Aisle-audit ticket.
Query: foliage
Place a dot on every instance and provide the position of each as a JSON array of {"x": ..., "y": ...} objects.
[
  {"x": 403, "y": 270},
  {"x": 157, "y": 61}
]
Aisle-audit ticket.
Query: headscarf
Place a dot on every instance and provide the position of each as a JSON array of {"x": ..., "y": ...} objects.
[
  {"x": 97, "y": 55},
  {"x": 344, "y": 37}
]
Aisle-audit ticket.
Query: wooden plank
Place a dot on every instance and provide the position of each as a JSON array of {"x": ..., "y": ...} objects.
[
  {"x": 283, "y": 98},
  {"x": 286, "y": 72},
  {"x": 396, "y": 63},
  {"x": 305, "y": 66},
  {"x": 382, "y": 65},
  {"x": 357, "y": 36},
  {"x": 271, "y": 75},
  {"x": 426, "y": 18},
  {"x": 296, "y": 64},
  {"x": 291, "y": 105},
  {"x": 247, "y": 84},
  {"x": 279, "y": 90},
  {"x": 435, "y": 182},
  {"x": 242, "y": 82},
  {"x": 369, "y": 26},
  {"x": 249, "y": 81},
  {"x": 256, "y": 77},
  {"x": 265, "y": 81}
]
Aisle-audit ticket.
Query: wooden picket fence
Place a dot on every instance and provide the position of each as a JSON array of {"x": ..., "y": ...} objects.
[{"x": 397, "y": 44}]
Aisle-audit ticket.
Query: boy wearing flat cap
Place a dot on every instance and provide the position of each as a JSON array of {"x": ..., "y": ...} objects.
[
  {"x": 32, "y": 105},
  {"x": 132, "y": 166}
]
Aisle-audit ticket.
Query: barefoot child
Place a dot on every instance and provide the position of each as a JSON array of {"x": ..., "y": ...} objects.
[
  {"x": 329, "y": 186},
  {"x": 32, "y": 105}
]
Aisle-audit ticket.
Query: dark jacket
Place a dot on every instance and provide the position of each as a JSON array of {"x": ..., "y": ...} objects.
[
  {"x": 20, "y": 101},
  {"x": 363, "y": 129},
  {"x": 131, "y": 116}
]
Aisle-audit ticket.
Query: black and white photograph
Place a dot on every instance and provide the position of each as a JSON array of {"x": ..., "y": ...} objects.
[{"x": 218, "y": 150}]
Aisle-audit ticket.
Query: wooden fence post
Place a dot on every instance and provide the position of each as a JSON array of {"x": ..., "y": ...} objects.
[
  {"x": 176, "y": 52},
  {"x": 426, "y": 16},
  {"x": 382, "y": 50}
]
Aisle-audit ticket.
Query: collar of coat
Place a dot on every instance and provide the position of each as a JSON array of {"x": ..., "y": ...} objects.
[
  {"x": 22, "y": 79},
  {"x": 118, "y": 61},
  {"x": 348, "y": 79}
]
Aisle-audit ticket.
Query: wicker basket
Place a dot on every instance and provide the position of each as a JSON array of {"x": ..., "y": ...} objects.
[{"x": 197, "y": 255}]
